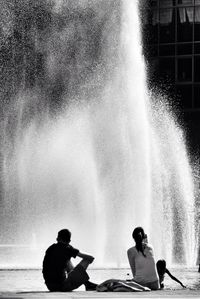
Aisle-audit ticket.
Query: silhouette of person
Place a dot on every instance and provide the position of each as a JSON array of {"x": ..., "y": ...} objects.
[
  {"x": 142, "y": 262},
  {"x": 161, "y": 268},
  {"x": 57, "y": 261}
]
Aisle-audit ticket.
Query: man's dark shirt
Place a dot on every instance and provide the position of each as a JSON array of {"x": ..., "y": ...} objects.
[{"x": 55, "y": 260}]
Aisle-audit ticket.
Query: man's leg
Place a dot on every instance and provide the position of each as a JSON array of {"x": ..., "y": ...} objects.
[
  {"x": 54, "y": 287},
  {"x": 84, "y": 263},
  {"x": 69, "y": 266},
  {"x": 89, "y": 286},
  {"x": 75, "y": 278},
  {"x": 78, "y": 276}
]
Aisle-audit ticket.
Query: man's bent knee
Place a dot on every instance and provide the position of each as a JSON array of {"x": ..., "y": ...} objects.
[{"x": 84, "y": 263}]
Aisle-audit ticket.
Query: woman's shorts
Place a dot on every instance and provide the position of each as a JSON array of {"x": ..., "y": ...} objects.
[{"x": 153, "y": 285}]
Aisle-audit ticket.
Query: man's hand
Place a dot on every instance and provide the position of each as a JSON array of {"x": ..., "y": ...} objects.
[
  {"x": 87, "y": 257},
  {"x": 90, "y": 258}
]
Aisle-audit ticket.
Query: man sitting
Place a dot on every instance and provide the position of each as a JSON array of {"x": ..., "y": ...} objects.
[{"x": 57, "y": 261}]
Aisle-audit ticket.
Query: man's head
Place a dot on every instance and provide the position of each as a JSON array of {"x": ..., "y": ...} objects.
[
  {"x": 64, "y": 236},
  {"x": 161, "y": 267}
]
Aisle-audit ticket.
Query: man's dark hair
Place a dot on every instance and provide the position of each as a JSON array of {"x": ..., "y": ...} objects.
[
  {"x": 64, "y": 235},
  {"x": 161, "y": 266}
]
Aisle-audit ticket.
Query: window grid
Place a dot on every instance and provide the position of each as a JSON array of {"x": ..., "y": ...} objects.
[{"x": 187, "y": 6}]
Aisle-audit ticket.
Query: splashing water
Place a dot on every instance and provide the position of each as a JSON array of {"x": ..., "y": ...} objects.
[{"x": 87, "y": 147}]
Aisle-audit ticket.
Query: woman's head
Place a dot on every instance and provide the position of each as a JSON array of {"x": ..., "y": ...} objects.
[{"x": 138, "y": 234}]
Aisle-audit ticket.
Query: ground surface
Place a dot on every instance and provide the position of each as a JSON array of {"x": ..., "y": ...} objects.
[
  {"x": 29, "y": 284},
  {"x": 186, "y": 293}
]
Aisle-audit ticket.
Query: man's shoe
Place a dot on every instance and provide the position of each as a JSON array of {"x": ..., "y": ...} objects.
[{"x": 90, "y": 286}]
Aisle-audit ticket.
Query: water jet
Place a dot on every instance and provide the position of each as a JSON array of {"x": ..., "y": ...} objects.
[{"x": 84, "y": 143}]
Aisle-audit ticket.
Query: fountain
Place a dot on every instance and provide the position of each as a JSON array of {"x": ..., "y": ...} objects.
[{"x": 84, "y": 144}]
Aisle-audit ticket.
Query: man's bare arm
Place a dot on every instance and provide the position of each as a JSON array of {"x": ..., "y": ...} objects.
[{"x": 85, "y": 256}]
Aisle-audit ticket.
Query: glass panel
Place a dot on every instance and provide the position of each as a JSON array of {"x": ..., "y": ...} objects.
[
  {"x": 166, "y": 16},
  {"x": 197, "y": 96},
  {"x": 149, "y": 3},
  {"x": 197, "y": 1},
  {"x": 153, "y": 3},
  {"x": 184, "y": 71},
  {"x": 197, "y": 23},
  {"x": 167, "y": 25},
  {"x": 165, "y": 3},
  {"x": 153, "y": 71},
  {"x": 197, "y": 14},
  {"x": 167, "y": 50},
  {"x": 185, "y": 2},
  {"x": 150, "y": 50},
  {"x": 185, "y": 94},
  {"x": 150, "y": 26},
  {"x": 184, "y": 49},
  {"x": 185, "y": 15},
  {"x": 197, "y": 48},
  {"x": 154, "y": 17},
  {"x": 197, "y": 69},
  {"x": 167, "y": 69},
  {"x": 185, "y": 23}
]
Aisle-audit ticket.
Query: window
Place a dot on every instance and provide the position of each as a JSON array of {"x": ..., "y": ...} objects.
[
  {"x": 153, "y": 70},
  {"x": 167, "y": 25},
  {"x": 185, "y": 2},
  {"x": 197, "y": 48},
  {"x": 150, "y": 3},
  {"x": 197, "y": 69},
  {"x": 184, "y": 49},
  {"x": 185, "y": 94},
  {"x": 197, "y": 24},
  {"x": 185, "y": 24},
  {"x": 166, "y": 3},
  {"x": 150, "y": 26},
  {"x": 197, "y": 96},
  {"x": 167, "y": 69},
  {"x": 167, "y": 50},
  {"x": 150, "y": 50},
  {"x": 166, "y": 16},
  {"x": 184, "y": 69},
  {"x": 153, "y": 3},
  {"x": 185, "y": 14}
]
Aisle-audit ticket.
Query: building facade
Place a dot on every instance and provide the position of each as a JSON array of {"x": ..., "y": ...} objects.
[
  {"x": 171, "y": 30},
  {"x": 171, "y": 39}
]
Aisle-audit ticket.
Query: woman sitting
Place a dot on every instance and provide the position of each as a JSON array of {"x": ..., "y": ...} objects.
[{"x": 141, "y": 260}]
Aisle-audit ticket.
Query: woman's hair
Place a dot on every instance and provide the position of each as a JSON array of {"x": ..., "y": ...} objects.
[{"x": 139, "y": 235}]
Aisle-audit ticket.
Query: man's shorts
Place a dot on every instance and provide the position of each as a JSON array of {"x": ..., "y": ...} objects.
[{"x": 75, "y": 279}]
